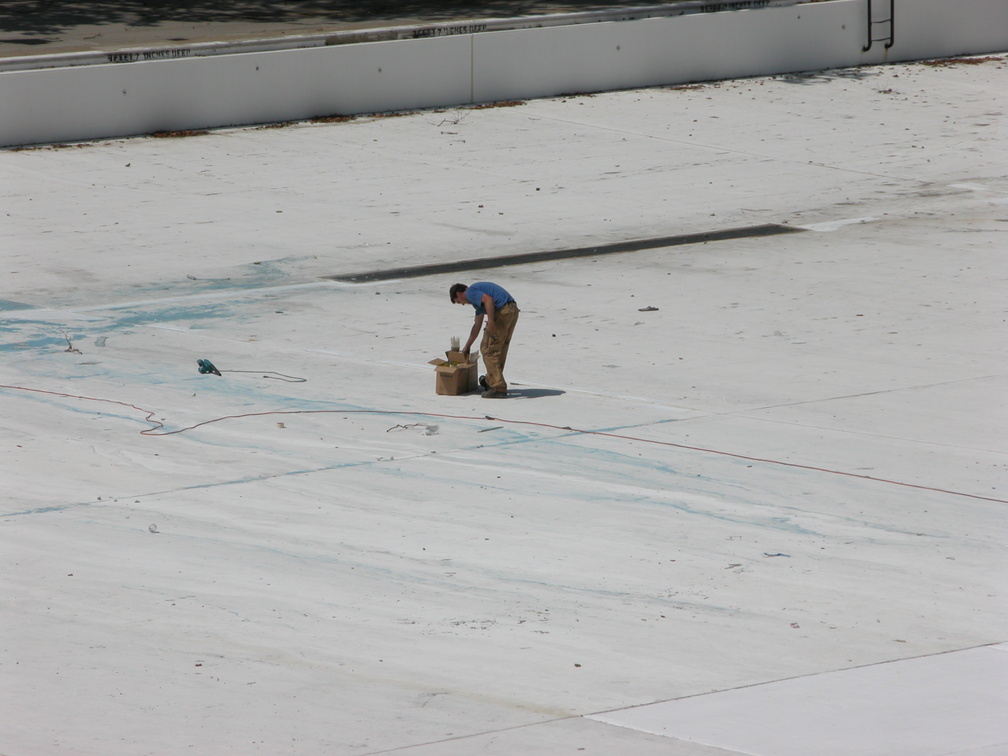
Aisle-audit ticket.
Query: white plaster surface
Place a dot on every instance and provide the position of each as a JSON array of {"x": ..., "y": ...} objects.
[
  {"x": 792, "y": 470},
  {"x": 931, "y": 706}
]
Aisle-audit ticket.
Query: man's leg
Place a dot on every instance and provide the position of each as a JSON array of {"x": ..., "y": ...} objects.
[
  {"x": 494, "y": 350},
  {"x": 512, "y": 321},
  {"x": 491, "y": 349}
]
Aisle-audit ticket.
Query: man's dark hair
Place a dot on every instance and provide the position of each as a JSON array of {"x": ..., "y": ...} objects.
[{"x": 455, "y": 289}]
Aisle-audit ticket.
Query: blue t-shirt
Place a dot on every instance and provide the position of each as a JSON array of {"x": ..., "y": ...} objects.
[{"x": 497, "y": 293}]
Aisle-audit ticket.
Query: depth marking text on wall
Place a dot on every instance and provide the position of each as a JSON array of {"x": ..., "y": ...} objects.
[
  {"x": 444, "y": 31},
  {"x": 736, "y": 5},
  {"x": 132, "y": 57}
]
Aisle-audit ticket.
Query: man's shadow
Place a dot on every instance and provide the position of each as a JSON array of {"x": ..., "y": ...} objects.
[{"x": 532, "y": 393}]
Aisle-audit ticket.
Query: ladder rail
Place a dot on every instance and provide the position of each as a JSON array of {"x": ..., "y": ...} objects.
[{"x": 891, "y": 39}]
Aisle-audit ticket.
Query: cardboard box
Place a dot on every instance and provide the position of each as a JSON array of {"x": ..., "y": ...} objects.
[{"x": 456, "y": 375}]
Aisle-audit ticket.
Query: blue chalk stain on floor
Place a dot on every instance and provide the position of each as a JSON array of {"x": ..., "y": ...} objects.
[
  {"x": 620, "y": 468},
  {"x": 248, "y": 277},
  {"x": 8, "y": 305},
  {"x": 44, "y": 334},
  {"x": 172, "y": 314},
  {"x": 46, "y": 342}
]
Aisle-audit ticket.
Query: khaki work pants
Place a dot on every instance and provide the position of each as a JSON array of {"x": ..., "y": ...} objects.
[{"x": 495, "y": 349}]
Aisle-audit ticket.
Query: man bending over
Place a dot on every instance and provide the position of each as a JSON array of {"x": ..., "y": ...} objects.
[{"x": 501, "y": 313}]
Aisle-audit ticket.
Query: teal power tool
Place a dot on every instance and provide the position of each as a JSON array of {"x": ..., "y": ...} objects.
[{"x": 205, "y": 366}]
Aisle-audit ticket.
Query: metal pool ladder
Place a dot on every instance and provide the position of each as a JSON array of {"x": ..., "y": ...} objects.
[{"x": 881, "y": 22}]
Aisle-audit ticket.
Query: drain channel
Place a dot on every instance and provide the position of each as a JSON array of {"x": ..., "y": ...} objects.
[{"x": 417, "y": 271}]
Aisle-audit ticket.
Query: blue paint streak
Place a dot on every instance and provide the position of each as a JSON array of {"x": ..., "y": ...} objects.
[
  {"x": 207, "y": 311},
  {"x": 6, "y": 304},
  {"x": 37, "y": 343}
]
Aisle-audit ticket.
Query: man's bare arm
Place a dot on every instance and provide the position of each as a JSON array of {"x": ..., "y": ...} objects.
[
  {"x": 473, "y": 334},
  {"x": 491, "y": 310}
]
